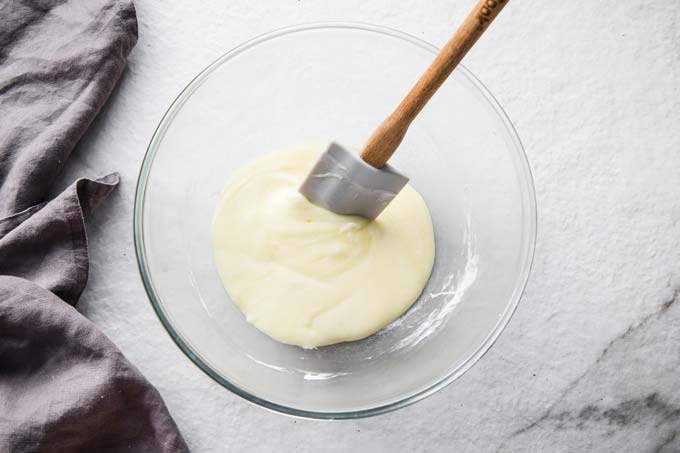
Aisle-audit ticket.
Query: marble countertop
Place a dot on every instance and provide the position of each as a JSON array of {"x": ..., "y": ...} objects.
[{"x": 590, "y": 360}]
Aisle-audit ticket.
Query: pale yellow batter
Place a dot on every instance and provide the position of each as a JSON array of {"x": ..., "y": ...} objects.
[{"x": 306, "y": 276}]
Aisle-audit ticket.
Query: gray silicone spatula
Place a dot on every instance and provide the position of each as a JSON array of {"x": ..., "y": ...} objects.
[{"x": 342, "y": 182}]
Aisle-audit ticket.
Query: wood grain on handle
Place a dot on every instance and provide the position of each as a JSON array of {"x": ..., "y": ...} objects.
[{"x": 389, "y": 134}]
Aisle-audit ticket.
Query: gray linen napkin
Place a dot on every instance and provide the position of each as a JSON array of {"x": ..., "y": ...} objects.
[{"x": 64, "y": 387}]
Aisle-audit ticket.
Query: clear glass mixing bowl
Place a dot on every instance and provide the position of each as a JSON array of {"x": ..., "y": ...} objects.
[{"x": 312, "y": 84}]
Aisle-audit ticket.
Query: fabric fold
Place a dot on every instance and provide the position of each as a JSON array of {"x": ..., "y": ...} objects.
[
  {"x": 59, "y": 62},
  {"x": 64, "y": 387},
  {"x": 48, "y": 246}
]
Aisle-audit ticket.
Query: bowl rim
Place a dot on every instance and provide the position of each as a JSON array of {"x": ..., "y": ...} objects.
[{"x": 485, "y": 345}]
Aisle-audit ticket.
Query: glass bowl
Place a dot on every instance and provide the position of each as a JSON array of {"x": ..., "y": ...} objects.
[{"x": 313, "y": 84}]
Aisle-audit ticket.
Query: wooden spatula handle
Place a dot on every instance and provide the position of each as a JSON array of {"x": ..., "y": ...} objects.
[{"x": 389, "y": 134}]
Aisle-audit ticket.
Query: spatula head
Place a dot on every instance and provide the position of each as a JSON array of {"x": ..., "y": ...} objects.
[{"x": 342, "y": 182}]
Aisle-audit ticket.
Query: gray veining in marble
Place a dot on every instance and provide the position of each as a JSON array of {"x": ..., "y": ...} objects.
[
  {"x": 626, "y": 391},
  {"x": 591, "y": 359}
]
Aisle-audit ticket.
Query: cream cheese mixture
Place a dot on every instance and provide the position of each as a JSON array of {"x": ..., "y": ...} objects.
[{"x": 309, "y": 277}]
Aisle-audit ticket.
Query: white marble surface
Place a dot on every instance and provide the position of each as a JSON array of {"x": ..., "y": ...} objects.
[{"x": 591, "y": 359}]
